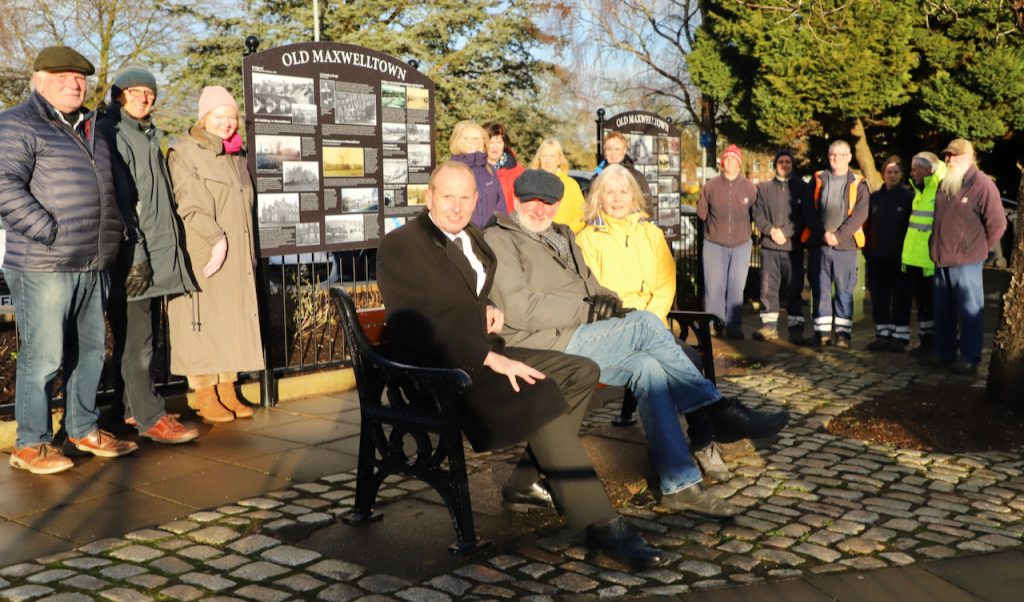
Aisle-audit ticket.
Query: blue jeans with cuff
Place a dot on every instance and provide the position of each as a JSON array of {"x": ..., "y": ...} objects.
[
  {"x": 60, "y": 323},
  {"x": 638, "y": 352}
]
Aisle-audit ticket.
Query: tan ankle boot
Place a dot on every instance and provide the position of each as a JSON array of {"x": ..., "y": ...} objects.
[
  {"x": 226, "y": 392},
  {"x": 210, "y": 408}
]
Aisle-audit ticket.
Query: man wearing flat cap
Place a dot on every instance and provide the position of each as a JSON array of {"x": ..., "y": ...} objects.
[
  {"x": 435, "y": 275},
  {"x": 969, "y": 220},
  {"x": 63, "y": 232},
  {"x": 551, "y": 300}
]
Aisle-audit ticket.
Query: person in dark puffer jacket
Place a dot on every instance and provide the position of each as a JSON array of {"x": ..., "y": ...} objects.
[{"x": 63, "y": 232}]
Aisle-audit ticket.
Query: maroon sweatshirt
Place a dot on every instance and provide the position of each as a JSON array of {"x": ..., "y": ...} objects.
[
  {"x": 968, "y": 225},
  {"x": 724, "y": 207}
]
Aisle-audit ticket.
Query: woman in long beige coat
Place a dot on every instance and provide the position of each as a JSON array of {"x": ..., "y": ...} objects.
[{"x": 215, "y": 332}]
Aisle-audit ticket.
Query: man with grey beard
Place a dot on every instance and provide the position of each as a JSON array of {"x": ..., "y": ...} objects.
[{"x": 969, "y": 220}]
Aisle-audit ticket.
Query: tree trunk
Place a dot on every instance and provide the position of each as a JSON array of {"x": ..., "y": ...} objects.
[
  {"x": 866, "y": 161},
  {"x": 1006, "y": 371}
]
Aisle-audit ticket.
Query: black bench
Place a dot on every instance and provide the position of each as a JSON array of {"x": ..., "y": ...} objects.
[
  {"x": 403, "y": 407},
  {"x": 408, "y": 426}
]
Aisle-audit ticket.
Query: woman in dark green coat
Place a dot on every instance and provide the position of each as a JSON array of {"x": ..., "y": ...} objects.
[{"x": 151, "y": 263}]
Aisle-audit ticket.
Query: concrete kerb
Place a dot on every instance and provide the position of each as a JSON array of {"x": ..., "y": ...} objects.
[{"x": 291, "y": 388}]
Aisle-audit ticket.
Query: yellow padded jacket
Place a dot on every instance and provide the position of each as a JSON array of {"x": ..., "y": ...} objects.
[{"x": 630, "y": 256}]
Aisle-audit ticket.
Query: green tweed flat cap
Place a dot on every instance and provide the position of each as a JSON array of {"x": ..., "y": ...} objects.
[{"x": 62, "y": 58}]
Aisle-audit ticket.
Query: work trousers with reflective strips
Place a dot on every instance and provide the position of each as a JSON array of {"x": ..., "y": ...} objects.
[
  {"x": 890, "y": 298},
  {"x": 959, "y": 302},
  {"x": 828, "y": 267},
  {"x": 920, "y": 289},
  {"x": 725, "y": 277},
  {"x": 782, "y": 270}
]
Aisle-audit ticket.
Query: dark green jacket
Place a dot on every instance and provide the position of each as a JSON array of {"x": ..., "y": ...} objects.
[{"x": 142, "y": 187}]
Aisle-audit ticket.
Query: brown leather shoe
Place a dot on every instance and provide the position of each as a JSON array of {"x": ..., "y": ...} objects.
[
  {"x": 103, "y": 444},
  {"x": 40, "y": 459},
  {"x": 169, "y": 430},
  {"x": 695, "y": 499},
  {"x": 210, "y": 408},
  {"x": 228, "y": 398}
]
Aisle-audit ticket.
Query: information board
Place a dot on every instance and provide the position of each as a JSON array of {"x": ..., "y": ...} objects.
[
  {"x": 654, "y": 146},
  {"x": 341, "y": 144}
]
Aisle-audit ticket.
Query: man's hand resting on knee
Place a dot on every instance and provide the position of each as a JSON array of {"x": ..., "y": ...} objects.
[{"x": 512, "y": 369}]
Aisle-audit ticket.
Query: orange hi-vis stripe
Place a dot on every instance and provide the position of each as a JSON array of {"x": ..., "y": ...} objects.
[{"x": 858, "y": 236}]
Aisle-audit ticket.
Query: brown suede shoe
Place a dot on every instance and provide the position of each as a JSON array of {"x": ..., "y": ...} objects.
[
  {"x": 210, "y": 408},
  {"x": 169, "y": 430},
  {"x": 103, "y": 444},
  {"x": 40, "y": 459},
  {"x": 228, "y": 398}
]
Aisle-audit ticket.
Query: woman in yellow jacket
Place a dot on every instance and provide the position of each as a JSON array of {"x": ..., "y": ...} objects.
[
  {"x": 627, "y": 253},
  {"x": 551, "y": 159}
]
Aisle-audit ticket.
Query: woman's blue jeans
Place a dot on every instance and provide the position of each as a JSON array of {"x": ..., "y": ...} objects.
[
  {"x": 640, "y": 353},
  {"x": 60, "y": 323}
]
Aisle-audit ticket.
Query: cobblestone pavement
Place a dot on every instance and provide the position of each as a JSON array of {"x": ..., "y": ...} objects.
[{"x": 815, "y": 504}]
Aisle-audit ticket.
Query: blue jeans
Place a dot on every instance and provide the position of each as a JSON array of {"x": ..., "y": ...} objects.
[
  {"x": 640, "y": 353},
  {"x": 725, "y": 277},
  {"x": 959, "y": 300},
  {"x": 60, "y": 322},
  {"x": 827, "y": 266}
]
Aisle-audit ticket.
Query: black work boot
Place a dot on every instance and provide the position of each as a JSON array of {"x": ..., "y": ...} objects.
[{"x": 734, "y": 421}]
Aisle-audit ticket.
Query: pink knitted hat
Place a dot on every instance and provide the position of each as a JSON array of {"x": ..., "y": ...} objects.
[{"x": 213, "y": 97}]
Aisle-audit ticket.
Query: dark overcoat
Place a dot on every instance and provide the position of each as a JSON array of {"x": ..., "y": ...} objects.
[{"x": 436, "y": 318}]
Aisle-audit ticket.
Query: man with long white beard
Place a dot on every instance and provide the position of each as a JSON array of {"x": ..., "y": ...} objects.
[{"x": 969, "y": 220}]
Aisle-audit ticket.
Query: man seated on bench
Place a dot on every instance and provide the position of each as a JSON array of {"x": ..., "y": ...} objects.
[
  {"x": 551, "y": 300},
  {"x": 435, "y": 275}
]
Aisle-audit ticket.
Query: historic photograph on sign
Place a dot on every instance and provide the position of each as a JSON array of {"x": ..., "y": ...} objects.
[
  {"x": 663, "y": 162},
  {"x": 355, "y": 109},
  {"x": 668, "y": 217},
  {"x": 307, "y": 234},
  {"x": 668, "y": 185},
  {"x": 662, "y": 144},
  {"x": 419, "y": 132},
  {"x": 301, "y": 176},
  {"x": 393, "y": 132},
  {"x": 275, "y": 94},
  {"x": 272, "y": 151},
  {"x": 326, "y": 93},
  {"x": 417, "y": 194},
  {"x": 419, "y": 155},
  {"x": 668, "y": 201},
  {"x": 391, "y": 223},
  {"x": 304, "y": 114},
  {"x": 650, "y": 172},
  {"x": 418, "y": 98},
  {"x": 396, "y": 171},
  {"x": 278, "y": 209},
  {"x": 641, "y": 148},
  {"x": 344, "y": 228},
  {"x": 343, "y": 162},
  {"x": 392, "y": 96},
  {"x": 359, "y": 200}
]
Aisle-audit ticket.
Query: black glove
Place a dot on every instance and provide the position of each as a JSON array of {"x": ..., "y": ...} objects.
[
  {"x": 138, "y": 279},
  {"x": 603, "y": 307}
]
